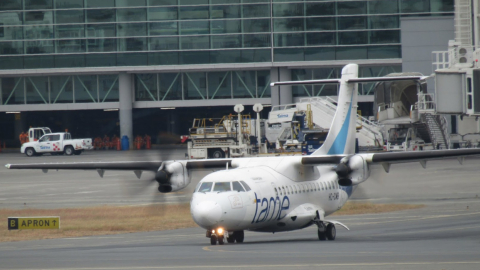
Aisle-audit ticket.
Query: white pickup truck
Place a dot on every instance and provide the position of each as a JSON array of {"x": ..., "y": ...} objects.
[{"x": 56, "y": 144}]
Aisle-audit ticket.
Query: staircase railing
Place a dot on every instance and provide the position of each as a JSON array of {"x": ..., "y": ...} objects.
[
  {"x": 439, "y": 123},
  {"x": 442, "y": 121},
  {"x": 426, "y": 103},
  {"x": 327, "y": 104}
]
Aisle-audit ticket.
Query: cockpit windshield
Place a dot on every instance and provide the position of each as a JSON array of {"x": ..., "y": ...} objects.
[
  {"x": 239, "y": 186},
  {"x": 205, "y": 187},
  {"x": 222, "y": 186}
]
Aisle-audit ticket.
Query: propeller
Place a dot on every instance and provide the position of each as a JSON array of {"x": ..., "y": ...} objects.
[
  {"x": 153, "y": 187},
  {"x": 350, "y": 170}
]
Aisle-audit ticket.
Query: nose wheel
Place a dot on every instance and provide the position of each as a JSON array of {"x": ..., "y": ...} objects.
[
  {"x": 236, "y": 236},
  {"x": 214, "y": 239}
]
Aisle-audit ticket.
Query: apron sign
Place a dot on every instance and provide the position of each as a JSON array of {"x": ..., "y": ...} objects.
[{"x": 26, "y": 223}]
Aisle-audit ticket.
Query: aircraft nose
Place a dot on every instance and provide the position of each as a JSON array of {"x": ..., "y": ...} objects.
[{"x": 206, "y": 213}]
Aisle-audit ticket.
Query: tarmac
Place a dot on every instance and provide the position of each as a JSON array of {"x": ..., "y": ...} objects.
[{"x": 445, "y": 234}]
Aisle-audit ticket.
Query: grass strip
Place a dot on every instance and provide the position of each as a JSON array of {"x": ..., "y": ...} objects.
[{"x": 105, "y": 220}]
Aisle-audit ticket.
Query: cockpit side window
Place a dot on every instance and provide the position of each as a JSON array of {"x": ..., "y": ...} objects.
[
  {"x": 222, "y": 186},
  {"x": 205, "y": 187},
  {"x": 247, "y": 188},
  {"x": 237, "y": 187}
]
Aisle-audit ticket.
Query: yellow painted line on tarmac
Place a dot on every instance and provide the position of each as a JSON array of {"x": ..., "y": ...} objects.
[{"x": 287, "y": 266}]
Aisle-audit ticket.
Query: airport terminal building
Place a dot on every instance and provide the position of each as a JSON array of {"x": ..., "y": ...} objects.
[{"x": 107, "y": 66}]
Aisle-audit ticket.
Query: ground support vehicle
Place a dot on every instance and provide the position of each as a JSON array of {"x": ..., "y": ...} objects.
[
  {"x": 56, "y": 144},
  {"x": 219, "y": 138},
  {"x": 406, "y": 139},
  {"x": 35, "y": 133}
]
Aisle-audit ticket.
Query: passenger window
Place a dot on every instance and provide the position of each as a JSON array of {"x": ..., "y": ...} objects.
[
  {"x": 205, "y": 187},
  {"x": 276, "y": 192},
  {"x": 303, "y": 188},
  {"x": 237, "y": 187},
  {"x": 283, "y": 191},
  {"x": 295, "y": 188},
  {"x": 247, "y": 188},
  {"x": 221, "y": 186}
]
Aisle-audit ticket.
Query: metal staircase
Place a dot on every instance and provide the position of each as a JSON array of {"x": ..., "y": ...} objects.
[
  {"x": 370, "y": 134},
  {"x": 436, "y": 127}
]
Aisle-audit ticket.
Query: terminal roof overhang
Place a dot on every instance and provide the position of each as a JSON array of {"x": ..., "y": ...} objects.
[{"x": 190, "y": 67}]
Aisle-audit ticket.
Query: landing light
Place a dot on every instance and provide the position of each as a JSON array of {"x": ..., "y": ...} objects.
[{"x": 220, "y": 231}]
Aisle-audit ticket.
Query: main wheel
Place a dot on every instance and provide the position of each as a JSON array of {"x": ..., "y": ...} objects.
[
  {"x": 239, "y": 236},
  {"x": 213, "y": 240},
  {"x": 220, "y": 241},
  {"x": 331, "y": 232},
  {"x": 30, "y": 152},
  {"x": 69, "y": 150},
  {"x": 322, "y": 236}
]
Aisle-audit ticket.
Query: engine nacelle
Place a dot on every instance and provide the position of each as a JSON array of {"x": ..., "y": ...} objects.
[
  {"x": 172, "y": 176},
  {"x": 358, "y": 172}
]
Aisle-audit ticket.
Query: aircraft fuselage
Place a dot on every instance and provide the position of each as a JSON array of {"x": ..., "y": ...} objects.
[{"x": 274, "y": 202}]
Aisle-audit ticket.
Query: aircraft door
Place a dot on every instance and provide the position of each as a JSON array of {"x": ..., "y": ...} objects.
[{"x": 44, "y": 144}]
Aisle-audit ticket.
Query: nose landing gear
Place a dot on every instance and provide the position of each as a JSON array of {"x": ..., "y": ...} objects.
[{"x": 219, "y": 235}]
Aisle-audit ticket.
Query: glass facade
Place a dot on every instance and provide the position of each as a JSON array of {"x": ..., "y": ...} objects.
[
  {"x": 59, "y": 89},
  {"x": 332, "y": 73},
  {"x": 202, "y": 85},
  {"x": 93, "y": 33}
]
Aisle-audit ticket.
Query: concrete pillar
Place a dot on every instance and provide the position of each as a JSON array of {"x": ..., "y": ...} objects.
[
  {"x": 125, "y": 108},
  {"x": 281, "y": 94}
]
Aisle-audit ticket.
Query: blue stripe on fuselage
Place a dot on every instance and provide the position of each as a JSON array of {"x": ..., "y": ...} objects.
[{"x": 338, "y": 145}]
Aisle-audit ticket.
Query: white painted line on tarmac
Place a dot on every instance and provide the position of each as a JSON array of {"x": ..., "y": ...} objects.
[{"x": 287, "y": 266}]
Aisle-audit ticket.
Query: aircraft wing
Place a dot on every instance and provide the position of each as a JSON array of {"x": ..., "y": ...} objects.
[
  {"x": 418, "y": 156},
  {"x": 385, "y": 159},
  {"x": 121, "y": 165}
]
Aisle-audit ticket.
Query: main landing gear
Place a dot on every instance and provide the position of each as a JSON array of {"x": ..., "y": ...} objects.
[
  {"x": 219, "y": 235},
  {"x": 326, "y": 232}
]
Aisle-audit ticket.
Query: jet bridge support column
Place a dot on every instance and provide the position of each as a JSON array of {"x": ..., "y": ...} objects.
[
  {"x": 125, "y": 106},
  {"x": 281, "y": 94}
]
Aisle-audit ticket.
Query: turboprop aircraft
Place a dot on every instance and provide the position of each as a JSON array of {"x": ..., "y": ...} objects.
[{"x": 276, "y": 194}]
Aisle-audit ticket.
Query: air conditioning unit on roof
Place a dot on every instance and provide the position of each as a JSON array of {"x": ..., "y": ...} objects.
[{"x": 464, "y": 57}]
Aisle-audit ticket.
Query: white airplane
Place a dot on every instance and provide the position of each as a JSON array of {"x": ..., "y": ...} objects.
[{"x": 275, "y": 194}]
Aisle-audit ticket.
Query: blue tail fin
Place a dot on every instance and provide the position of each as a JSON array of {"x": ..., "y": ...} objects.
[{"x": 341, "y": 136}]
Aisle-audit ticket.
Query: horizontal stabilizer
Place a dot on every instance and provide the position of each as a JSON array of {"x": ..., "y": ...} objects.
[
  {"x": 387, "y": 79},
  {"x": 353, "y": 80}
]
